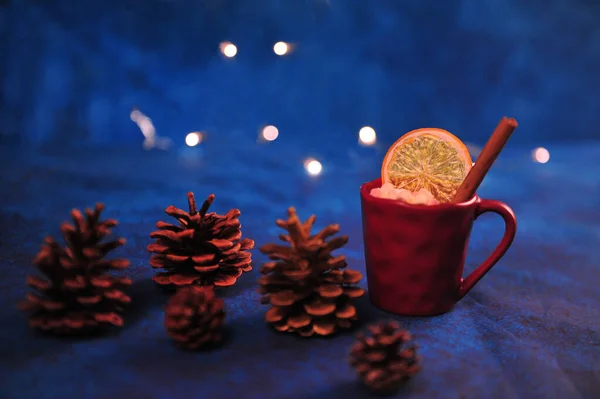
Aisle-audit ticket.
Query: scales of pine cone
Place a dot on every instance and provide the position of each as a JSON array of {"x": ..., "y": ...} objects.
[
  {"x": 194, "y": 317},
  {"x": 384, "y": 360},
  {"x": 306, "y": 285},
  {"x": 78, "y": 295},
  {"x": 205, "y": 249}
]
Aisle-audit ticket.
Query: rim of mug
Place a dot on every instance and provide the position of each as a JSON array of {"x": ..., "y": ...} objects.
[{"x": 386, "y": 201}]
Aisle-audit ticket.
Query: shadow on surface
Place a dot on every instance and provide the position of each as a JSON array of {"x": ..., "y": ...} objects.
[
  {"x": 145, "y": 295},
  {"x": 21, "y": 344}
]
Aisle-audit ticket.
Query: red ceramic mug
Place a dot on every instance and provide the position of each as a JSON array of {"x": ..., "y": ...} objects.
[{"x": 415, "y": 254}]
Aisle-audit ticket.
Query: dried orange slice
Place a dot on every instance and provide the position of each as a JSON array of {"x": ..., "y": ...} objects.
[{"x": 428, "y": 158}]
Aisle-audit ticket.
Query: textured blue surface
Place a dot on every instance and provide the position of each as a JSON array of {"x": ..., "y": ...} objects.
[
  {"x": 530, "y": 328},
  {"x": 73, "y": 70}
]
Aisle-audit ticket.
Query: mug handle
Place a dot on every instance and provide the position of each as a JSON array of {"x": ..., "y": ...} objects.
[{"x": 510, "y": 230}]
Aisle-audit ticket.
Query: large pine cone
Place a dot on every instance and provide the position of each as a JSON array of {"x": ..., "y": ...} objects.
[
  {"x": 78, "y": 294},
  {"x": 194, "y": 317},
  {"x": 205, "y": 249},
  {"x": 308, "y": 289},
  {"x": 385, "y": 359}
]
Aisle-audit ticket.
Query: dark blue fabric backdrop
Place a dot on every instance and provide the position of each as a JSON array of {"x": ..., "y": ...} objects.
[{"x": 72, "y": 70}]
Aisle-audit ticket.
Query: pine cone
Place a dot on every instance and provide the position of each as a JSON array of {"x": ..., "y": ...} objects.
[
  {"x": 205, "y": 249},
  {"x": 306, "y": 286},
  {"x": 383, "y": 361},
  {"x": 194, "y": 317},
  {"x": 78, "y": 295}
]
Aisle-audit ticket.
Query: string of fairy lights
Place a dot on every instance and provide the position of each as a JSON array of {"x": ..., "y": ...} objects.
[{"x": 366, "y": 134}]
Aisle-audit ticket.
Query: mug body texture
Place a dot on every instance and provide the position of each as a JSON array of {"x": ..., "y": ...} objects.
[{"x": 415, "y": 254}]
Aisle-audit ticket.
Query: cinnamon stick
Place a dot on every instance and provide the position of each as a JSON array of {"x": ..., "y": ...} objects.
[{"x": 486, "y": 158}]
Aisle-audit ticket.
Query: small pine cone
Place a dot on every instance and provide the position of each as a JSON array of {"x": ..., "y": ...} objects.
[
  {"x": 385, "y": 359},
  {"x": 194, "y": 317},
  {"x": 78, "y": 294},
  {"x": 307, "y": 287},
  {"x": 205, "y": 249}
]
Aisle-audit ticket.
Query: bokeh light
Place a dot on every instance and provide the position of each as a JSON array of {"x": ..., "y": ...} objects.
[
  {"x": 540, "y": 155},
  {"x": 270, "y": 133},
  {"x": 193, "y": 139},
  {"x": 367, "y": 135},
  {"x": 228, "y": 49},
  {"x": 136, "y": 115},
  {"x": 144, "y": 123},
  {"x": 281, "y": 48},
  {"x": 313, "y": 167},
  {"x": 151, "y": 140}
]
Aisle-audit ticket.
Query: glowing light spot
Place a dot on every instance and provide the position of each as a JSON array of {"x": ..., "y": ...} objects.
[
  {"x": 228, "y": 49},
  {"x": 146, "y": 126},
  {"x": 313, "y": 167},
  {"x": 193, "y": 139},
  {"x": 280, "y": 48},
  {"x": 151, "y": 139},
  {"x": 540, "y": 155},
  {"x": 367, "y": 135},
  {"x": 144, "y": 123},
  {"x": 136, "y": 115},
  {"x": 270, "y": 133}
]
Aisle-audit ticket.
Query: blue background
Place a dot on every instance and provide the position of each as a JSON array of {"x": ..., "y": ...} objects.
[{"x": 71, "y": 72}]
